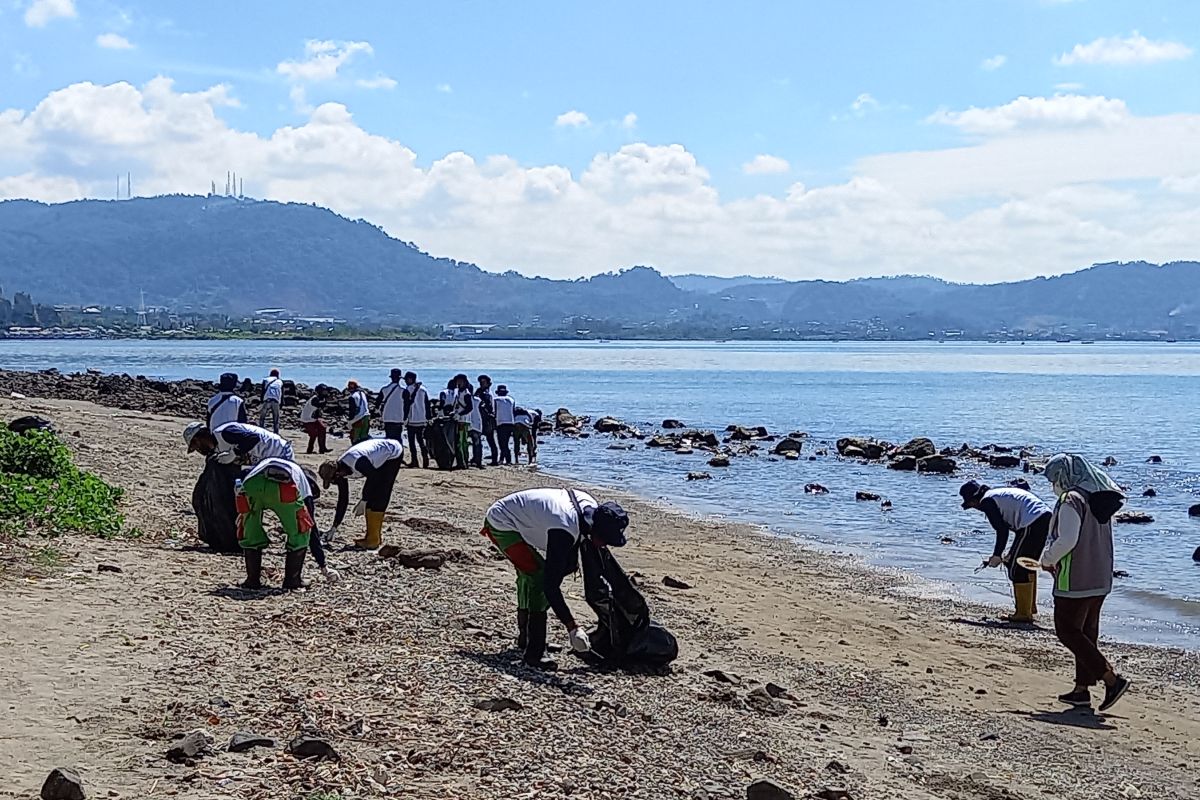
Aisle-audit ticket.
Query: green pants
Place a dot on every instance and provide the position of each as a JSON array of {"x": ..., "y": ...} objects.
[
  {"x": 464, "y": 442},
  {"x": 530, "y": 568},
  {"x": 360, "y": 431},
  {"x": 260, "y": 493}
]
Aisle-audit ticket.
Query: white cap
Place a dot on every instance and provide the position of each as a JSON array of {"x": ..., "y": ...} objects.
[{"x": 190, "y": 432}]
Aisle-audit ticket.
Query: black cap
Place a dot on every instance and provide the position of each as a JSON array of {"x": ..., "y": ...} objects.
[
  {"x": 608, "y": 522},
  {"x": 971, "y": 491}
]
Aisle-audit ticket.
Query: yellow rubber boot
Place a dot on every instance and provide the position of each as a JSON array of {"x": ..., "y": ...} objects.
[
  {"x": 374, "y": 537},
  {"x": 1026, "y": 594}
]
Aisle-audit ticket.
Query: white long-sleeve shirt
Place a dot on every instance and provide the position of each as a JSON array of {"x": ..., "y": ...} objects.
[
  {"x": 1067, "y": 529},
  {"x": 504, "y": 405},
  {"x": 273, "y": 391},
  {"x": 418, "y": 411},
  {"x": 392, "y": 397}
]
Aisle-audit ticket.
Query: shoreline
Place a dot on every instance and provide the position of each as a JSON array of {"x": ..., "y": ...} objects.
[{"x": 906, "y": 700}]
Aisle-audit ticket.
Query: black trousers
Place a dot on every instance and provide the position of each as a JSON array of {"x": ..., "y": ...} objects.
[
  {"x": 314, "y": 536},
  {"x": 489, "y": 434},
  {"x": 476, "y": 449},
  {"x": 394, "y": 430},
  {"x": 377, "y": 490},
  {"x": 1029, "y": 544},
  {"x": 416, "y": 441},
  {"x": 505, "y": 434}
]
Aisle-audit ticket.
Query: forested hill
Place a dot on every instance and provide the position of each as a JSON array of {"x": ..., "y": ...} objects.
[{"x": 221, "y": 254}]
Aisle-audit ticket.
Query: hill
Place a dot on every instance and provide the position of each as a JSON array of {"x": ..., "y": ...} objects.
[{"x": 232, "y": 256}]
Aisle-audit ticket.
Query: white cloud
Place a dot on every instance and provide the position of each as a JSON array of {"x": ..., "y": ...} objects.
[
  {"x": 378, "y": 82},
  {"x": 766, "y": 165},
  {"x": 1037, "y": 200},
  {"x": 42, "y": 12},
  {"x": 864, "y": 103},
  {"x": 1060, "y": 111},
  {"x": 572, "y": 119},
  {"x": 1132, "y": 49},
  {"x": 629, "y": 121},
  {"x": 445, "y": 88},
  {"x": 322, "y": 60},
  {"x": 113, "y": 41},
  {"x": 994, "y": 63}
]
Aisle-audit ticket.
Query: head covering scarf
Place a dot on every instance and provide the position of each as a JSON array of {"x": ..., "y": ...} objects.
[{"x": 1067, "y": 471}]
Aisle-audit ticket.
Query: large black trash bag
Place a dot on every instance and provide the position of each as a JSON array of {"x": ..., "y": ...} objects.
[
  {"x": 216, "y": 512},
  {"x": 625, "y": 634},
  {"x": 442, "y": 441}
]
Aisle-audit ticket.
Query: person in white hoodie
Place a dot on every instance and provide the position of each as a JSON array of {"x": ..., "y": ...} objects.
[
  {"x": 225, "y": 406},
  {"x": 391, "y": 408},
  {"x": 272, "y": 401},
  {"x": 505, "y": 407},
  {"x": 416, "y": 417}
]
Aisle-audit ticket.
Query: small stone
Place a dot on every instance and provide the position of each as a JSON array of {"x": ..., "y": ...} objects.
[
  {"x": 766, "y": 789},
  {"x": 675, "y": 583},
  {"x": 721, "y": 676},
  {"x": 1194, "y": 511},
  {"x": 672, "y": 424},
  {"x": 833, "y": 793},
  {"x": 194, "y": 745},
  {"x": 981, "y": 691},
  {"x": 1154, "y": 460},
  {"x": 498, "y": 704},
  {"x": 905, "y": 749},
  {"x": 108, "y": 568},
  {"x": 305, "y": 747},
  {"x": 63, "y": 784},
  {"x": 719, "y": 461},
  {"x": 1109, "y": 461},
  {"x": 838, "y": 767},
  {"x": 242, "y": 741},
  {"x": 777, "y": 691},
  {"x": 1150, "y": 492},
  {"x": 815, "y": 488},
  {"x": 1134, "y": 518},
  {"x": 866, "y": 497},
  {"x": 699, "y": 476},
  {"x": 791, "y": 456}
]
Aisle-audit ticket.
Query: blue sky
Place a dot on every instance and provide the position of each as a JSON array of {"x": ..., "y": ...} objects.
[{"x": 564, "y": 138}]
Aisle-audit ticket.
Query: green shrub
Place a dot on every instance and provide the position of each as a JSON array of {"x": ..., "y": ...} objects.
[{"x": 42, "y": 487}]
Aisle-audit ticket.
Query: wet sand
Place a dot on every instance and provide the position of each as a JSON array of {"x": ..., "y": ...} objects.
[{"x": 887, "y": 696}]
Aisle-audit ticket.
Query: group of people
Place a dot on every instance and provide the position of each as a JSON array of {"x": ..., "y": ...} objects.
[{"x": 1073, "y": 542}]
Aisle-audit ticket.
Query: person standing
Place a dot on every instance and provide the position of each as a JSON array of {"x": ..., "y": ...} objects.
[
  {"x": 378, "y": 461},
  {"x": 1080, "y": 557},
  {"x": 225, "y": 406},
  {"x": 416, "y": 418},
  {"x": 391, "y": 408},
  {"x": 310, "y": 418},
  {"x": 504, "y": 406},
  {"x": 358, "y": 412},
  {"x": 272, "y": 401},
  {"x": 461, "y": 407},
  {"x": 476, "y": 435},
  {"x": 540, "y": 531},
  {"x": 487, "y": 413},
  {"x": 1022, "y": 513}
]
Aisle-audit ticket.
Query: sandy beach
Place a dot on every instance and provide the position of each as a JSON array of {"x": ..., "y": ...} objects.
[{"x": 883, "y": 696}]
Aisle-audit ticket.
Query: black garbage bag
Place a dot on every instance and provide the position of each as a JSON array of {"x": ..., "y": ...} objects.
[
  {"x": 442, "y": 441},
  {"x": 625, "y": 634},
  {"x": 216, "y": 512}
]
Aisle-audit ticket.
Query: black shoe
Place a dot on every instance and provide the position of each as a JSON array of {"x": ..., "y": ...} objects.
[
  {"x": 293, "y": 570},
  {"x": 253, "y": 569},
  {"x": 522, "y": 629},
  {"x": 1077, "y": 698},
  {"x": 1114, "y": 693},
  {"x": 535, "y": 643}
]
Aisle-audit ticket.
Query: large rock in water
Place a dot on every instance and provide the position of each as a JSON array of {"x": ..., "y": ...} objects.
[
  {"x": 917, "y": 448},
  {"x": 1004, "y": 461},
  {"x": 671, "y": 424},
  {"x": 940, "y": 465},
  {"x": 788, "y": 445},
  {"x": 1194, "y": 511},
  {"x": 563, "y": 418},
  {"x": 870, "y": 448},
  {"x": 610, "y": 425},
  {"x": 705, "y": 438},
  {"x": 903, "y": 463}
]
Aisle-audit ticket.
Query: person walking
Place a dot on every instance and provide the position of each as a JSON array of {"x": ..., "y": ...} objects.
[
  {"x": 504, "y": 406},
  {"x": 310, "y": 419},
  {"x": 358, "y": 412},
  {"x": 1080, "y": 557},
  {"x": 540, "y": 531},
  {"x": 461, "y": 406},
  {"x": 391, "y": 407},
  {"x": 225, "y": 406},
  {"x": 378, "y": 461},
  {"x": 272, "y": 401},
  {"x": 487, "y": 413},
  {"x": 1023, "y": 514},
  {"x": 416, "y": 418}
]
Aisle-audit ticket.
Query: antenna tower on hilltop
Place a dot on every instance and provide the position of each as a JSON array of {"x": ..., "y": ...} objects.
[{"x": 142, "y": 311}]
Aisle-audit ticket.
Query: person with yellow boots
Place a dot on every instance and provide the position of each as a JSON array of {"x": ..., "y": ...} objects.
[
  {"x": 376, "y": 460},
  {"x": 1022, "y": 513},
  {"x": 280, "y": 486}
]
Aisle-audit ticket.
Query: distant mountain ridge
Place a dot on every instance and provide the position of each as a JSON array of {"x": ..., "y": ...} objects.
[{"x": 222, "y": 254}]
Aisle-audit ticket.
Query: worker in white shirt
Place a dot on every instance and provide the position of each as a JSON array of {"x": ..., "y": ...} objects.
[
  {"x": 416, "y": 418},
  {"x": 358, "y": 412},
  {"x": 505, "y": 421},
  {"x": 272, "y": 401},
  {"x": 376, "y": 460},
  {"x": 225, "y": 405},
  {"x": 390, "y": 405},
  {"x": 237, "y": 443}
]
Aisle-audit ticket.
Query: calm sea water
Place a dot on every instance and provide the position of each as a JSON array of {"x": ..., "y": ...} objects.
[{"x": 1124, "y": 400}]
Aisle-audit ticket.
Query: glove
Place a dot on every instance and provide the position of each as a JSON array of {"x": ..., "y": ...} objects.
[
  {"x": 361, "y": 508},
  {"x": 328, "y": 535},
  {"x": 226, "y": 457},
  {"x": 330, "y": 574},
  {"x": 995, "y": 561},
  {"x": 580, "y": 642}
]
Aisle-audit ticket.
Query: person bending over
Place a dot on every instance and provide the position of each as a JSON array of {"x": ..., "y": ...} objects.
[
  {"x": 376, "y": 460},
  {"x": 540, "y": 531},
  {"x": 1021, "y": 512},
  {"x": 237, "y": 443},
  {"x": 280, "y": 486}
]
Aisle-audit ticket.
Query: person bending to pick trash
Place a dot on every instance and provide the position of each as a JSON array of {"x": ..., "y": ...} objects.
[
  {"x": 280, "y": 486},
  {"x": 237, "y": 442},
  {"x": 1080, "y": 557},
  {"x": 540, "y": 531},
  {"x": 1017, "y": 511},
  {"x": 377, "y": 460}
]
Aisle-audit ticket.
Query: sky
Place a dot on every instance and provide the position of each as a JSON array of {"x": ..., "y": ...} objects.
[{"x": 980, "y": 141}]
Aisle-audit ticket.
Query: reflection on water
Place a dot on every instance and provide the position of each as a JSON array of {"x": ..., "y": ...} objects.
[{"x": 1124, "y": 400}]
